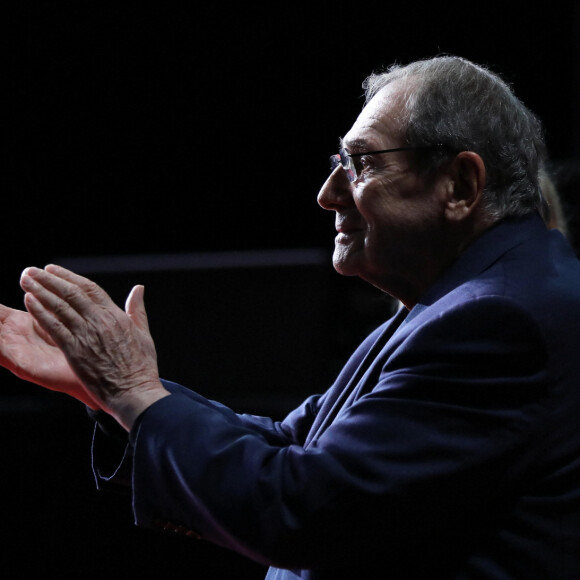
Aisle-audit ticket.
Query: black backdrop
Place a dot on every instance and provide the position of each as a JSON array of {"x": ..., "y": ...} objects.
[{"x": 146, "y": 128}]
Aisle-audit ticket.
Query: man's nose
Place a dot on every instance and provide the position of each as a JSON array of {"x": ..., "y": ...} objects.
[{"x": 336, "y": 192}]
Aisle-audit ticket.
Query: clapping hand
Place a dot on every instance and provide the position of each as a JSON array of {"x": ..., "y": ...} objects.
[
  {"x": 30, "y": 353},
  {"x": 74, "y": 339}
]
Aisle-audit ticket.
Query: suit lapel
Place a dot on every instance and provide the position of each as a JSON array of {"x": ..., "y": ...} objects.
[{"x": 343, "y": 394}]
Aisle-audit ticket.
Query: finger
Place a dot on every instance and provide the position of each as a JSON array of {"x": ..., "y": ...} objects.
[
  {"x": 42, "y": 333},
  {"x": 59, "y": 278},
  {"x": 46, "y": 319},
  {"x": 70, "y": 276},
  {"x": 44, "y": 303},
  {"x": 75, "y": 290},
  {"x": 135, "y": 307}
]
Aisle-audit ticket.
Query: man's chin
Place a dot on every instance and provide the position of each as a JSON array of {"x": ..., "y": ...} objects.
[{"x": 344, "y": 266}]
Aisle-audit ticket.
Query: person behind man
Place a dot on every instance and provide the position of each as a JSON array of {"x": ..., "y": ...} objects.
[
  {"x": 556, "y": 217},
  {"x": 449, "y": 446}
]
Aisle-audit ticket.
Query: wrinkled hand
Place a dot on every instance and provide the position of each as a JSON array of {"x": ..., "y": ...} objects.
[
  {"x": 28, "y": 352},
  {"x": 109, "y": 350}
]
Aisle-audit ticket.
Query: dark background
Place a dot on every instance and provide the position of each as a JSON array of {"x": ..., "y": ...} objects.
[{"x": 141, "y": 130}]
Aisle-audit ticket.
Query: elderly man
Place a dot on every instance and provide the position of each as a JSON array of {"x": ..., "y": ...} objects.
[{"x": 449, "y": 445}]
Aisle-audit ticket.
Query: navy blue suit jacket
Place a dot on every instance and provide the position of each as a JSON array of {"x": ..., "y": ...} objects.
[{"x": 448, "y": 447}]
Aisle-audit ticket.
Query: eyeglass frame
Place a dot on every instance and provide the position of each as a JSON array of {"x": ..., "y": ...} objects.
[{"x": 344, "y": 159}]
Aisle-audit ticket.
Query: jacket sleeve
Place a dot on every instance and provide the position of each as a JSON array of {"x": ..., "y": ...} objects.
[
  {"x": 112, "y": 451},
  {"x": 432, "y": 445}
]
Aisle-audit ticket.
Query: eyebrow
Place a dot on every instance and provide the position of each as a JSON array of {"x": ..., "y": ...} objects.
[{"x": 355, "y": 144}]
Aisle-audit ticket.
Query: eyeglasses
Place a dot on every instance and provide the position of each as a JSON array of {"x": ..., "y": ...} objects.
[{"x": 345, "y": 160}]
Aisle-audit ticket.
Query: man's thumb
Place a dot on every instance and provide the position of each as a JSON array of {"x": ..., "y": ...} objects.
[{"x": 135, "y": 307}]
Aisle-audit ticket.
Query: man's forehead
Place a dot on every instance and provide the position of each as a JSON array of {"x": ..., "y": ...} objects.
[{"x": 378, "y": 123}]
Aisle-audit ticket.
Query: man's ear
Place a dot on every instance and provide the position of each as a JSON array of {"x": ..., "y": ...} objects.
[{"x": 466, "y": 186}]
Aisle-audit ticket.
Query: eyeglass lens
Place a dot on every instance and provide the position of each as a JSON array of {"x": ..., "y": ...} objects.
[{"x": 341, "y": 158}]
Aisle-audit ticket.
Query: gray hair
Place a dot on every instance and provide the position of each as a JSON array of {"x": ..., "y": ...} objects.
[{"x": 464, "y": 107}]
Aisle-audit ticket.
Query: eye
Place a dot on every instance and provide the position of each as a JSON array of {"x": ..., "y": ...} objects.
[
  {"x": 358, "y": 164},
  {"x": 366, "y": 163}
]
